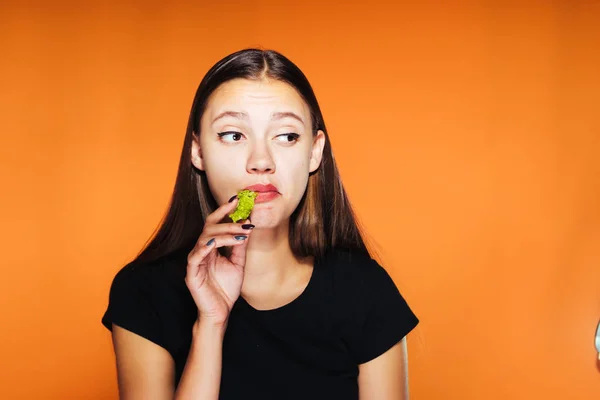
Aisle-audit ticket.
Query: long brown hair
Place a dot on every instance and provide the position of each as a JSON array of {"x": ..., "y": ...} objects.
[{"x": 323, "y": 220}]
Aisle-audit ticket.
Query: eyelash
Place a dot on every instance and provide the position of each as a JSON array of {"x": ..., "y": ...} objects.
[
  {"x": 222, "y": 134},
  {"x": 294, "y": 135}
]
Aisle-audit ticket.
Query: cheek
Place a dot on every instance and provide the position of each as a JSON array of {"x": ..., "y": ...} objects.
[
  {"x": 222, "y": 174},
  {"x": 216, "y": 167},
  {"x": 296, "y": 178}
]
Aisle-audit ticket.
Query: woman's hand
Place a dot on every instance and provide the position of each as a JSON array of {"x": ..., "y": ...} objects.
[{"x": 215, "y": 281}]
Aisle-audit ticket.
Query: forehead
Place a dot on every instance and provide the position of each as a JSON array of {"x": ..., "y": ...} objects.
[{"x": 254, "y": 96}]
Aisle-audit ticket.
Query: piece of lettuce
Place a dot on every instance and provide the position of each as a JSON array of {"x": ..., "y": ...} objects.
[{"x": 245, "y": 205}]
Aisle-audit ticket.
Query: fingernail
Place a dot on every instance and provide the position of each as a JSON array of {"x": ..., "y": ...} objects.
[
  {"x": 232, "y": 198},
  {"x": 247, "y": 226},
  {"x": 240, "y": 237},
  {"x": 211, "y": 241}
]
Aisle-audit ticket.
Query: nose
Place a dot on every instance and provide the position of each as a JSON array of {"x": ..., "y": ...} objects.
[{"x": 260, "y": 160}]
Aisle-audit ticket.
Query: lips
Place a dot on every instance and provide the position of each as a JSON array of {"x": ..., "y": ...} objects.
[
  {"x": 260, "y": 188},
  {"x": 265, "y": 192}
]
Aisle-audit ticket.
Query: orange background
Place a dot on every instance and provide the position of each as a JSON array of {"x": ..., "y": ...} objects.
[{"x": 467, "y": 136}]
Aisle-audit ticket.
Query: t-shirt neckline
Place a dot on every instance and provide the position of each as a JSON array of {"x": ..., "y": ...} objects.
[{"x": 293, "y": 303}]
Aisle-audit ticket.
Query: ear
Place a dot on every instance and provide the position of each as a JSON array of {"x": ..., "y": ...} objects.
[
  {"x": 197, "y": 160},
  {"x": 316, "y": 153}
]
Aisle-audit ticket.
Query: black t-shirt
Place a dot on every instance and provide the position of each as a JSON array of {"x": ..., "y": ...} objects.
[{"x": 350, "y": 313}]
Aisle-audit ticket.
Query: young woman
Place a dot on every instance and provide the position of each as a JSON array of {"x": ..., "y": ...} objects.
[{"x": 288, "y": 304}]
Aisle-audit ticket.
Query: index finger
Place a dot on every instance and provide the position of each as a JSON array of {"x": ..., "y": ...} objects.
[{"x": 221, "y": 212}]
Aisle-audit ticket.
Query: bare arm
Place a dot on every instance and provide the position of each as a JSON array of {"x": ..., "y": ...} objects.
[
  {"x": 385, "y": 377},
  {"x": 201, "y": 377},
  {"x": 146, "y": 371}
]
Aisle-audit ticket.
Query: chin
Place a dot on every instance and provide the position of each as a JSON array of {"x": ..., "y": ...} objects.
[{"x": 267, "y": 218}]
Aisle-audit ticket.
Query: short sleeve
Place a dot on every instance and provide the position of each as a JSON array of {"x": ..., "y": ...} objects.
[
  {"x": 131, "y": 304},
  {"x": 381, "y": 316}
]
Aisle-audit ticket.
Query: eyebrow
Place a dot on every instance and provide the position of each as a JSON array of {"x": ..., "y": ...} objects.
[
  {"x": 245, "y": 117},
  {"x": 286, "y": 114}
]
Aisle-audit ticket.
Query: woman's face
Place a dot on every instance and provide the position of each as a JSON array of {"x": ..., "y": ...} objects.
[{"x": 258, "y": 135}]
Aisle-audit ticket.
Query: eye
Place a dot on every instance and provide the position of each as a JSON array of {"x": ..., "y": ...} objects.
[
  {"x": 230, "y": 136},
  {"x": 287, "y": 137}
]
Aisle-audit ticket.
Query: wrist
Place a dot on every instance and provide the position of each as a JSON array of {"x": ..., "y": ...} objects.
[{"x": 209, "y": 326}]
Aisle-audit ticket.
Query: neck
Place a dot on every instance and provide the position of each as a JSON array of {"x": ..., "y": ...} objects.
[
  {"x": 270, "y": 262},
  {"x": 268, "y": 252}
]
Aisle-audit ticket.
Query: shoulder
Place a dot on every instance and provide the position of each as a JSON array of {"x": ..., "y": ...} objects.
[
  {"x": 357, "y": 282},
  {"x": 151, "y": 275},
  {"x": 374, "y": 314},
  {"x": 357, "y": 271},
  {"x": 142, "y": 296}
]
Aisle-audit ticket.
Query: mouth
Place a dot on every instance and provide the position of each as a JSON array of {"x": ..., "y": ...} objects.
[
  {"x": 265, "y": 192},
  {"x": 260, "y": 188}
]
